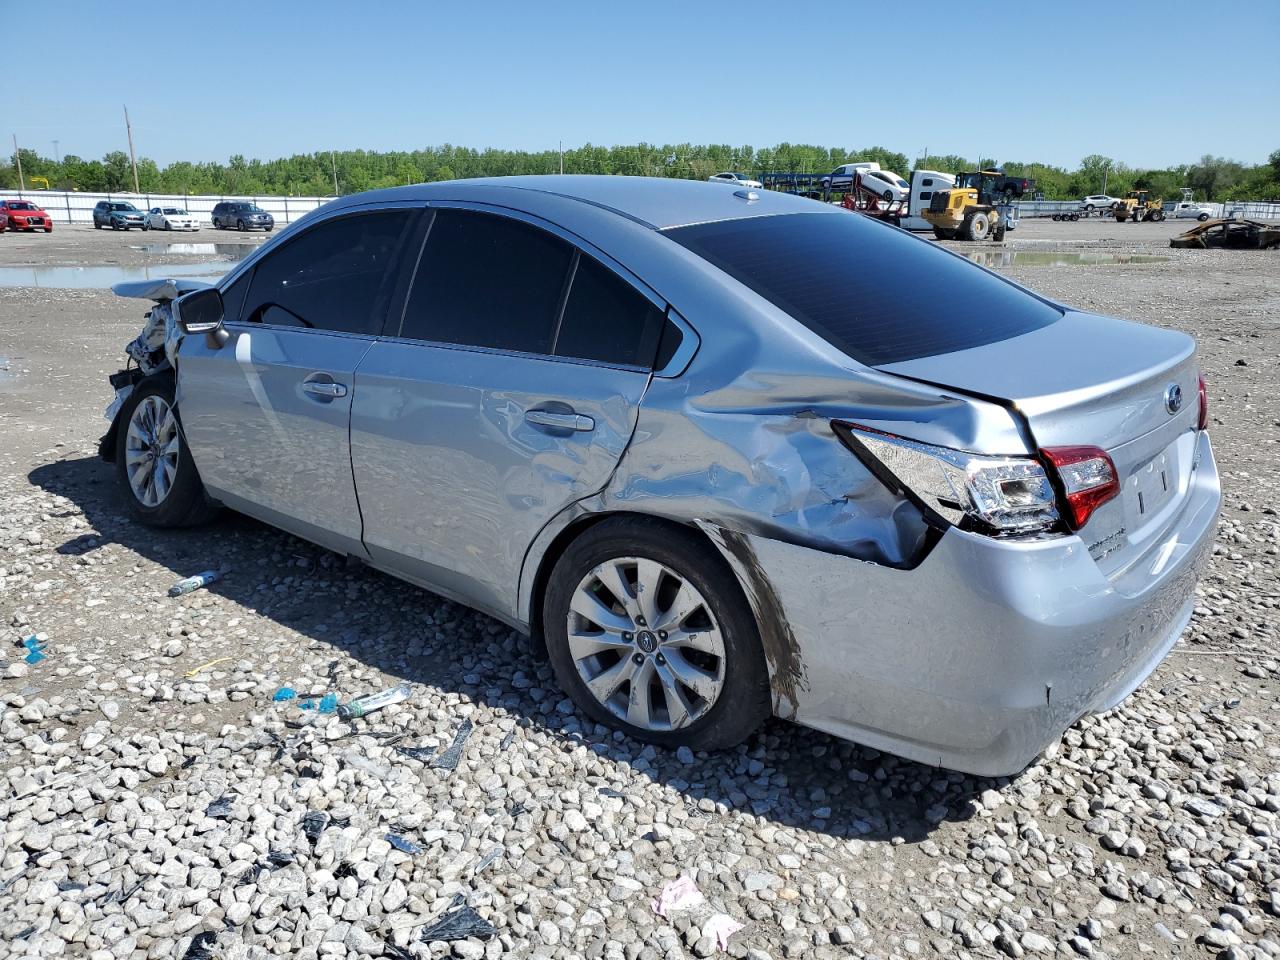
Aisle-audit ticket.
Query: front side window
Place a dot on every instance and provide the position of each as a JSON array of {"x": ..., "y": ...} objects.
[
  {"x": 489, "y": 281},
  {"x": 856, "y": 283},
  {"x": 332, "y": 277}
]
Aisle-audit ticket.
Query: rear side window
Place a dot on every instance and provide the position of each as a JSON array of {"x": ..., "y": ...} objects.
[
  {"x": 872, "y": 291},
  {"x": 487, "y": 281},
  {"x": 607, "y": 319},
  {"x": 331, "y": 277}
]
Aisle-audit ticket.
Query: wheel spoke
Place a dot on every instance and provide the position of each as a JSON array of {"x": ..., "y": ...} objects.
[
  {"x": 611, "y": 576},
  {"x": 606, "y": 683},
  {"x": 638, "y": 704},
  {"x": 679, "y": 712},
  {"x": 583, "y": 644},
  {"x": 648, "y": 581},
  {"x": 590, "y": 606},
  {"x": 706, "y": 641},
  {"x": 702, "y": 682},
  {"x": 686, "y": 602}
]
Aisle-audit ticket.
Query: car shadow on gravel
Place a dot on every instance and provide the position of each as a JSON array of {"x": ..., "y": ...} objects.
[{"x": 786, "y": 775}]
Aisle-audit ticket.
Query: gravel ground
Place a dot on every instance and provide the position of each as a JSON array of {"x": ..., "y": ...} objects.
[{"x": 154, "y": 804}]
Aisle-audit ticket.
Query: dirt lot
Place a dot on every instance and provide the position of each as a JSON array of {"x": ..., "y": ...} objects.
[{"x": 1153, "y": 830}]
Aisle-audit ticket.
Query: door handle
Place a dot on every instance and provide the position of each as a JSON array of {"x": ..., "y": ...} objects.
[
  {"x": 324, "y": 388},
  {"x": 559, "y": 421}
]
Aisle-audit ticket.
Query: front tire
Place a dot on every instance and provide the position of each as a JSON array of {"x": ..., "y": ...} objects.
[
  {"x": 977, "y": 227},
  {"x": 240, "y": 225},
  {"x": 154, "y": 467},
  {"x": 649, "y": 633}
]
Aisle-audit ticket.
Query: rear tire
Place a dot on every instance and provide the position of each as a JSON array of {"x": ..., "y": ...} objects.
[
  {"x": 718, "y": 650},
  {"x": 97, "y": 225},
  {"x": 153, "y": 466},
  {"x": 941, "y": 234}
]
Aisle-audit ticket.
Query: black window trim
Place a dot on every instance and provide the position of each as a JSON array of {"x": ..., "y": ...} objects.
[
  {"x": 394, "y": 302},
  {"x": 576, "y": 243}
]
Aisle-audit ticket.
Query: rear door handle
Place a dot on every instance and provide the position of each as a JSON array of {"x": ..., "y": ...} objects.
[
  {"x": 560, "y": 421},
  {"x": 324, "y": 388}
]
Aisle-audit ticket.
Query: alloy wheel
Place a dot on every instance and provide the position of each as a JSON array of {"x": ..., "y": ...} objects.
[
  {"x": 646, "y": 644},
  {"x": 151, "y": 450}
]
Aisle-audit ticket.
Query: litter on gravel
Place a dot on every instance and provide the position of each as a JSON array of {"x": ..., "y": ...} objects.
[{"x": 680, "y": 894}]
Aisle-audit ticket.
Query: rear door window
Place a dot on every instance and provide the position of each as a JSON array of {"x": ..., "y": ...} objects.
[
  {"x": 488, "y": 281},
  {"x": 499, "y": 283},
  {"x": 332, "y": 277},
  {"x": 606, "y": 319},
  {"x": 872, "y": 291}
]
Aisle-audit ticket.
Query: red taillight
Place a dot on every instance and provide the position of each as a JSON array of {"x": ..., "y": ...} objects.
[
  {"x": 1087, "y": 479},
  {"x": 1204, "y": 407}
]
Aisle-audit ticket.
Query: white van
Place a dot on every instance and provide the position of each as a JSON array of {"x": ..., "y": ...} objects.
[{"x": 841, "y": 178}]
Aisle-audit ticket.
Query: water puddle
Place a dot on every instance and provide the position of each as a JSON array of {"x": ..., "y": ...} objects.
[
  {"x": 226, "y": 251},
  {"x": 102, "y": 277},
  {"x": 996, "y": 259}
]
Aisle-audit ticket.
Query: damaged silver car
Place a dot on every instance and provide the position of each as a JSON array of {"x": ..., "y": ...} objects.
[{"x": 723, "y": 454}]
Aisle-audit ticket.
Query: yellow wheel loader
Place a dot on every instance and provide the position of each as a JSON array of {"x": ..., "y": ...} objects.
[
  {"x": 1137, "y": 205},
  {"x": 969, "y": 211}
]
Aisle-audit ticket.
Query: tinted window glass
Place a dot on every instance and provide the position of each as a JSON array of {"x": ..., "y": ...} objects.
[
  {"x": 872, "y": 291},
  {"x": 331, "y": 277},
  {"x": 606, "y": 319},
  {"x": 233, "y": 297},
  {"x": 487, "y": 281}
]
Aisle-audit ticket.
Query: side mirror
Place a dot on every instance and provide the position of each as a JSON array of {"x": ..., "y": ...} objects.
[{"x": 201, "y": 312}]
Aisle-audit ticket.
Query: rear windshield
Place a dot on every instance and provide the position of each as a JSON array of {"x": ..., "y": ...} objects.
[{"x": 874, "y": 292}]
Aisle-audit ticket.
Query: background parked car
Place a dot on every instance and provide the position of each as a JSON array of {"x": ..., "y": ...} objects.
[
  {"x": 4, "y": 219},
  {"x": 241, "y": 215},
  {"x": 171, "y": 218},
  {"x": 1097, "y": 202},
  {"x": 25, "y": 215},
  {"x": 1190, "y": 210},
  {"x": 735, "y": 180},
  {"x": 886, "y": 183},
  {"x": 118, "y": 215}
]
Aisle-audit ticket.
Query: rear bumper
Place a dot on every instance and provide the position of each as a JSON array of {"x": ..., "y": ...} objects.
[{"x": 981, "y": 657}]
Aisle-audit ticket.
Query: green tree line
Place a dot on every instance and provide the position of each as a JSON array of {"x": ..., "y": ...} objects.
[{"x": 313, "y": 174}]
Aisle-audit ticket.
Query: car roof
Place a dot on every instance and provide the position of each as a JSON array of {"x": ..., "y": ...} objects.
[{"x": 656, "y": 202}]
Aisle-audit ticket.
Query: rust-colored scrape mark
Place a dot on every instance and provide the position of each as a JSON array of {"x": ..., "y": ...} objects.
[{"x": 786, "y": 669}]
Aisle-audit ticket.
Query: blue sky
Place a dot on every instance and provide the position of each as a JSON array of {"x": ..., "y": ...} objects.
[{"x": 1132, "y": 80}]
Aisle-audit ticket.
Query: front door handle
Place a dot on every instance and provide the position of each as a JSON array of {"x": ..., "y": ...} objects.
[
  {"x": 324, "y": 388},
  {"x": 560, "y": 421}
]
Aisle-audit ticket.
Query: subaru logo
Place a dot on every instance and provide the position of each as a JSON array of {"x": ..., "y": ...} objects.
[{"x": 1173, "y": 398}]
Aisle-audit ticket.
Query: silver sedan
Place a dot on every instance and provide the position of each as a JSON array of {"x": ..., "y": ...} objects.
[{"x": 722, "y": 454}]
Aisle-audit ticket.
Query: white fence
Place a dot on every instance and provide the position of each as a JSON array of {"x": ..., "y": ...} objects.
[
  {"x": 1249, "y": 209},
  {"x": 69, "y": 207}
]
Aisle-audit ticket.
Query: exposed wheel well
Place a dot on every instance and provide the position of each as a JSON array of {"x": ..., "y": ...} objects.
[{"x": 537, "y": 642}]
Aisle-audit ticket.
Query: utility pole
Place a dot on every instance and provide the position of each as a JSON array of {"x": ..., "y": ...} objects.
[
  {"x": 132, "y": 159},
  {"x": 1105, "y": 171},
  {"x": 17, "y": 157},
  {"x": 334, "y": 164},
  {"x": 562, "y": 158},
  {"x": 57, "y": 158}
]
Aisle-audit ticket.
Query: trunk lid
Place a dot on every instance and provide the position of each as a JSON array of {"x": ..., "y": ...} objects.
[{"x": 1087, "y": 379}]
